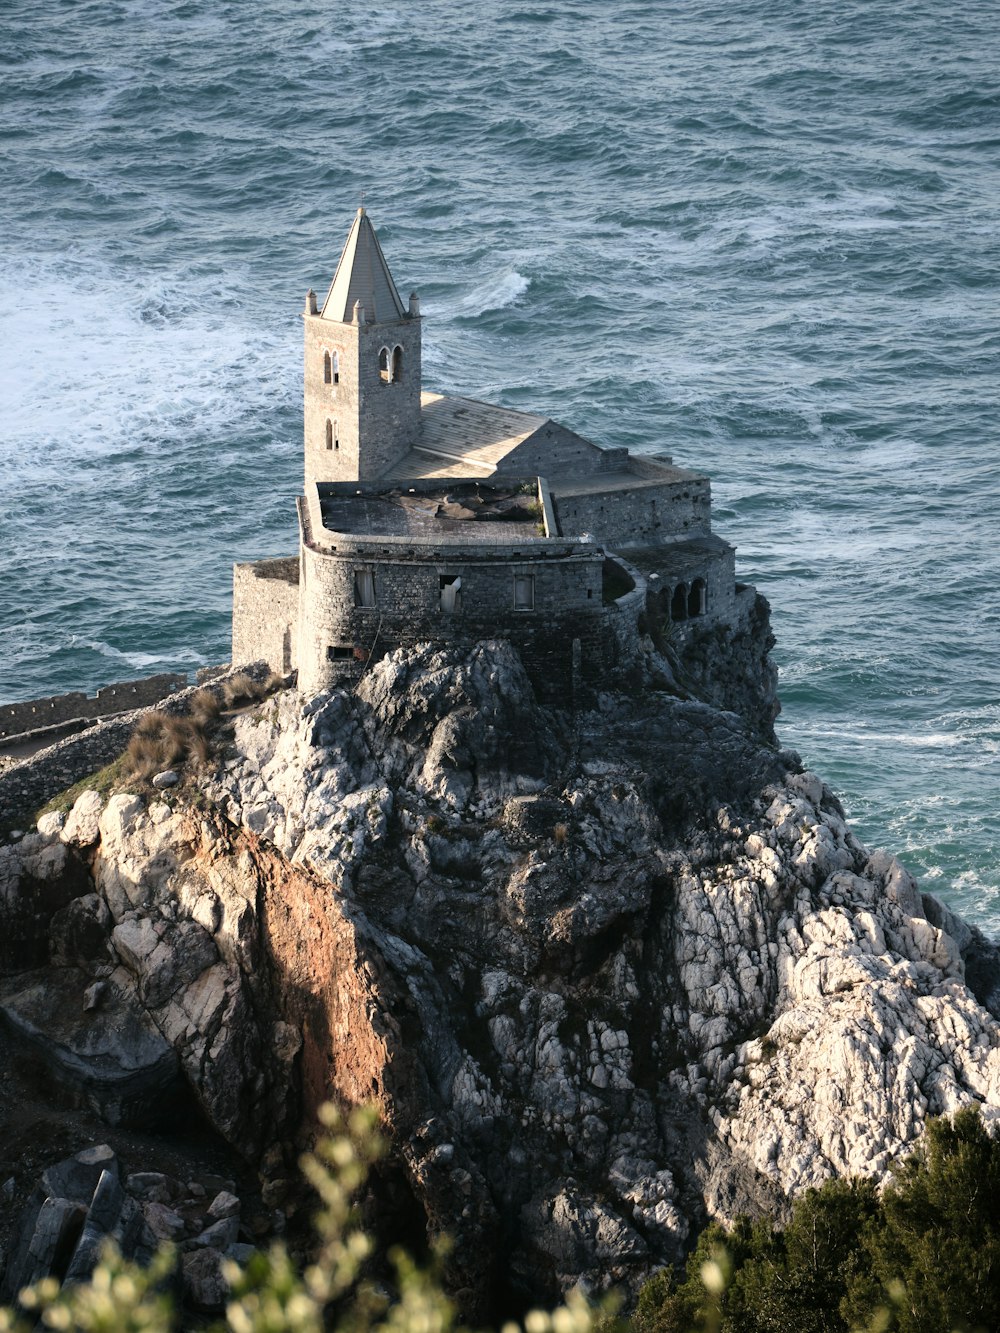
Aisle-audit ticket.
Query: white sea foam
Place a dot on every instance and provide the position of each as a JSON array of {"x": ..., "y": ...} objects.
[
  {"x": 129, "y": 364},
  {"x": 496, "y": 293},
  {"x": 140, "y": 661}
]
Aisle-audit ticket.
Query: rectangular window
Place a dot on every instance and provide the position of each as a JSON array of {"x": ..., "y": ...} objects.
[
  {"x": 339, "y": 652},
  {"x": 524, "y": 592},
  {"x": 364, "y": 587},
  {"x": 451, "y": 593}
]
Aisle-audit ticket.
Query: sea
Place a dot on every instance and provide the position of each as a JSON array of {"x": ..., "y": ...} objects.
[{"x": 763, "y": 235}]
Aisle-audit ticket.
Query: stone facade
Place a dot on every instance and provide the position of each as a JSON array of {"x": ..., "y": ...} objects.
[
  {"x": 639, "y": 515},
  {"x": 545, "y": 596},
  {"x": 383, "y": 560},
  {"x": 265, "y": 613},
  {"x": 361, "y": 423}
]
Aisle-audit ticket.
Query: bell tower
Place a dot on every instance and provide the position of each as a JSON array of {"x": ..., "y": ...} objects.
[{"x": 362, "y": 367}]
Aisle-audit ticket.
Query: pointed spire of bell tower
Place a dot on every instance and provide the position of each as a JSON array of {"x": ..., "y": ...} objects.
[
  {"x": 363, "y": 276},
  {"x": 362, "y": 367}
]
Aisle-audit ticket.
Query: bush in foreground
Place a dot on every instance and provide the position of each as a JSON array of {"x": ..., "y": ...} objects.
[{"x": 922, "y": 1258}]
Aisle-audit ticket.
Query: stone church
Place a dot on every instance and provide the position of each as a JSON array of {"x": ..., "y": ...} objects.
[{"x": 429, "y": 518}]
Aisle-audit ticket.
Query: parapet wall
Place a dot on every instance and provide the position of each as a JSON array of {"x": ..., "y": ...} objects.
[{"x": 123, "y": 696}]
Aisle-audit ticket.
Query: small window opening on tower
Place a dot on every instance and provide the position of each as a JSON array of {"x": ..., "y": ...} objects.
[
  {"x": 450, "y": 586},
  {"x": 524, "y": 592},
  {"x": 696, "y": 598},
  {"x": 335, "y": 367},
  {"x": 679, "y": 603},
  {"x": 397, "y": 363},
  {"x": 340, "y": 652},
  {"x": 364, "y": 587},
  {"x": 327, "y": 368},
  {"x": 384, "y": 369},
  {"x": 332, "y": 435}
]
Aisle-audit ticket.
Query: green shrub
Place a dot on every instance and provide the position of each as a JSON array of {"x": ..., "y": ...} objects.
[{"x": 922, "y": 1258}]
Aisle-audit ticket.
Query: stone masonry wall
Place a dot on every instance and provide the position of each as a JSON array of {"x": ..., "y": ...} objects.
[
  {"x": 29, "y": 783},
  {"x": 639, "y": 517},
  {"x": 567, "y": 606},
  {"x": 265, "y": 613},
  {"x": 388, "y": 415},
  {"x": 553, "y": 450},
  {"x": 127, "y": 694}
]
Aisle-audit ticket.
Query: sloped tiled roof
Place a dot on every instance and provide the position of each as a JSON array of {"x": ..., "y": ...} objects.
[{"x": 363, "y": 275}]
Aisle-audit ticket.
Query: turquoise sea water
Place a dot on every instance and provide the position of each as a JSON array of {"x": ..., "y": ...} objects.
[{"x": 764, "y": 235}]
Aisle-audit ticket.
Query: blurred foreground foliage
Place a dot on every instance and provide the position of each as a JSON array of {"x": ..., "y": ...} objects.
[
  {"x": 922, "y": 1257},
  {"x": 271, "y": 1295}
]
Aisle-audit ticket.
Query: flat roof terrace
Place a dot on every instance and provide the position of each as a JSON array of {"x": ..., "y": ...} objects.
[{"x": 468, "y": 512}]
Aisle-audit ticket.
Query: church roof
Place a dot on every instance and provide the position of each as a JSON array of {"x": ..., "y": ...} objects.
[{"x": 363, "y": 275}]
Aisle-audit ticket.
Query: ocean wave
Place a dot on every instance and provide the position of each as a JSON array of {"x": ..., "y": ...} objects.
[
  {"x": 496, "y": 293},
  {"x": 143, "y": 661}
]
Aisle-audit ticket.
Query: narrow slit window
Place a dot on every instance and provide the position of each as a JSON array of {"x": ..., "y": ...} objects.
[
  {"x": 397, "y": 363},
  {"x": 364, "y": 587},
  {"x": 696, "y": 598},
  {"x": 451, "y": 593},
  {"x": 335, "y": 367},
  {"x": 384, "y": 370},
  {"x": 524, "y": 592},
  {"x": 329, "y": 434},
  {"x": 327, "y": 368}
]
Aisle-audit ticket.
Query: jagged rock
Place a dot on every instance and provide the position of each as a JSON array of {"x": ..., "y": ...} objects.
[
  {"x": 78, "y": 933},
  {"x": 83, "y": 821},
  {"x": 204, "y": 1286},
  {"x": 220, "y": 1235},
  {"x": 50, "y": 824},
  {"x": 78, "y": 1204},
  {"x": 163, "y": 1222},
  {"x": 112, "y": 1056},
  {"x": 224, "y": 1204},
  {"x": 603, "y": 974}
]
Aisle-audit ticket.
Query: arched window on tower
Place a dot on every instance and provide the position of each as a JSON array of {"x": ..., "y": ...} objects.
[
  {"x": 327, "y": 368},
  {"x": 679, "y": 603},
  {"x": 397, "y": 363},
  {"x": 384, "y": 370},
  {"x": 696, "y": 598},
  {"x": 332, "y": 442},
  {"x": 335, "y": 367}
]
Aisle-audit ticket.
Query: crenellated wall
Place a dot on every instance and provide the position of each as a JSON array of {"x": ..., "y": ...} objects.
[{"x": 34, "y": 714}]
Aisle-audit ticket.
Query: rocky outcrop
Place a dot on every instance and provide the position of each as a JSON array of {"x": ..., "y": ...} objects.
[
  {"x": 606, "y": 974},
  {"x": 83, "y": 1202}
]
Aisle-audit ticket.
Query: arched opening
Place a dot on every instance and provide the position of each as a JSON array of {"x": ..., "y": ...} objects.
[
  {"x": 327, "y": 368},
  {"x": 696, "y": 598},
  {"x": 335, "y": 367},
  {"x": 384, "y": 370},
  {"x": 397, "y": 363},
  {"x": 679, "y": 603}
]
